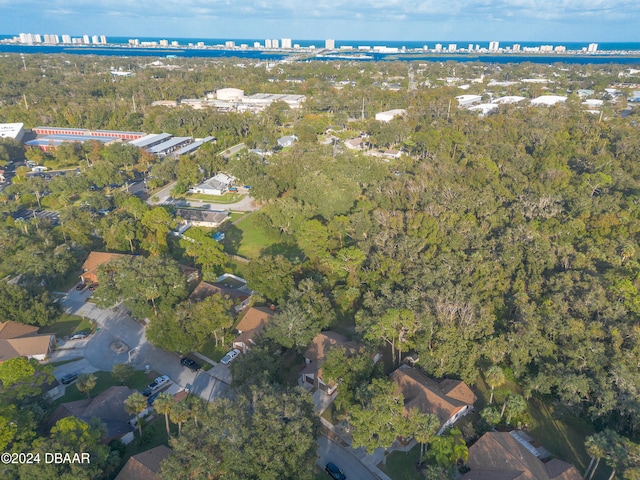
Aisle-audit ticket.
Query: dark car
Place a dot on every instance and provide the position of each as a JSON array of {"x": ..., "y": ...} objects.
[
  {"x": 81, "y": 286},
  {"x": 147, "y": 392},
  {"x": 190, "y": 364},
  {"x": 67, "y": 379},
  {"x": 335, "y": 472},
  {"x": 152, "y": 399},
  {"x": 93, "y": 287}
]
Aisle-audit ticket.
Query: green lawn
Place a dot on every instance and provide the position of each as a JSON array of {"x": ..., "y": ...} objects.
[
  {"x": 249, "y": 239},
  {"x": 68, "y": 324},
  {"x": 138, "y": 381},
  {"x": 563, "y": 437},
  {"x": 226, "y": 198},
  {"x": 401, "y": 465},
  {"x": 211, "y": 351}
]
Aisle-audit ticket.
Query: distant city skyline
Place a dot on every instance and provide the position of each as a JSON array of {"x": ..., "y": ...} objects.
[{"x": 393, "y": 20}]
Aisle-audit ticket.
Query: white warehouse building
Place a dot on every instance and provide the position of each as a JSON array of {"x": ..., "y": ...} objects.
[
  {"x": 230, "y": 94},
  {"x": 390, "y": 114}
]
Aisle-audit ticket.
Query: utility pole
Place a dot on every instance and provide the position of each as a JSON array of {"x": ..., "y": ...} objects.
[
  {"x": 26, "y": 105},
  {"x": 134, "y": 103},
  {"x": 362, "y": 108}
]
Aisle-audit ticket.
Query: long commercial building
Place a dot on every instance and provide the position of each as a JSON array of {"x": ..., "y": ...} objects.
[{"x": 160, "y": 144}]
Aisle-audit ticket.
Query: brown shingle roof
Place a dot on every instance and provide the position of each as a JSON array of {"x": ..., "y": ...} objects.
[
  {"x": 425, "y": 394},
  {"x": 29, "y": 346},
  {"x": 322, "y": 343},
  {"x": 255, "y": 319},
  {"x": 145, "y": 465},
  {"x": 107, "y": 406},
  {"x": 95, "y": 259},
  {"x": 499, "y": 452},
  {"x": 204, "y": 290},
  {"x": 457, "y": 389},
  {"x": 11, "y": 329}
]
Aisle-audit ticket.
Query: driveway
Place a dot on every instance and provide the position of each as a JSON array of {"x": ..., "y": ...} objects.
[{"x": 208, "y": 387}]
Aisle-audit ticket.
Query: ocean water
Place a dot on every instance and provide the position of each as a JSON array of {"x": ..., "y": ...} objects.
[{"x": 610, "y": 52}]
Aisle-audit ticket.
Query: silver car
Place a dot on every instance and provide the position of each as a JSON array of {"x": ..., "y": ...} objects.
[{"x": 230, "y": 356}]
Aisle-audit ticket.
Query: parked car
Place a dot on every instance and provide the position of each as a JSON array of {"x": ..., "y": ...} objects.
[
  {"x": 152, "y": 399},
  {"x": 78, "y": 335},
  {"x": 70, "y": 377},
  {"x": 230, "y": 356},
  {"x": 81, "y": 286},
  {"x": 93, "y": 287},
  {"x": 155, "y": 385},
  {"x": 335, "y": 472},
  {"x": 190, "y": 364}
]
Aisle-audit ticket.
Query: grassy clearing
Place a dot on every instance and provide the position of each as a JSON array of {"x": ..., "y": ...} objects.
[
  {"x": 138, "y": 381},
  {"x": 64, "y": 362},
  {"x": 210, "y": 350},
  {"x": 249, "y": 239},
  {"x": 68, "y": 324},
  {"x": 226, "y": 198},
  {"x": 563, "y": 437},
  {"x": 402, "y": 466}
]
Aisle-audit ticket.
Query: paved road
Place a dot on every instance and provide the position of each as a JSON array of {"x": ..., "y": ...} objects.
[
  {"x": 329, "y": 451},
  {"x": 96, "y": 353}
]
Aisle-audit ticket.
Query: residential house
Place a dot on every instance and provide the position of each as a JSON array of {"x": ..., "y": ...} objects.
[
  {"x": 19, "y": 340},
  {"x": 354, "y": 143},
  {"x": 241, "y": 296},
  {"x": 200, "y": 218},
  {"x": 145, "y": 465},
  {"x": 218, "y": 185},
  {"x": 94, "y": 260},
  {"x": 395, "y": 154},
  {"x": 107, "y": 406},
  {"x": 449, "y": 400},
  {"x": 506, "y": 455},
  {"x": 287, "y": 141},
  {"x": 315, "y": 356},
  {"x": 250, "y": 327}
]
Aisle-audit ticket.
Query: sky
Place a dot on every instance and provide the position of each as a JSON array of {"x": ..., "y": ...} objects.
[{"x": 415, "y": 20}]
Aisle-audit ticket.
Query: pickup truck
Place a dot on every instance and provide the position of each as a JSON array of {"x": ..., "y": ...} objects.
[{"x": 156, "y": 385}]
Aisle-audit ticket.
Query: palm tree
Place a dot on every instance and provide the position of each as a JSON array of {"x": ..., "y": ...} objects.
[
  {"x": 495, "y": 378},
  {"x": 513, "y": 406},
  {"x": 163, "y": 405},
  {"x": 424, "y": 427},
  {"x": 86, "y": 382},
  {"x": 134, "y": 405},
  {"x": 179, "y": 414},
  {"x": 596, "y": 446}
]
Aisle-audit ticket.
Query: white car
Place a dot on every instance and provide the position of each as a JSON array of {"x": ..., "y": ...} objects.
[{"x": 230, "y": 356}]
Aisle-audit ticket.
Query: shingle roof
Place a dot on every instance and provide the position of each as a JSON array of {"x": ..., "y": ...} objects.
[
  {"x": 95, "y": 259},
  {"x": 107, "y": 406},
  {"x": 255, "y": 318},
  {"x": 322, "y": 343},
  {"x": 425, "y": 394},
  {"x": 502, "y": 455},
  {"x": 145, "y": 465},
  {"x": 11, "y": 329}
]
